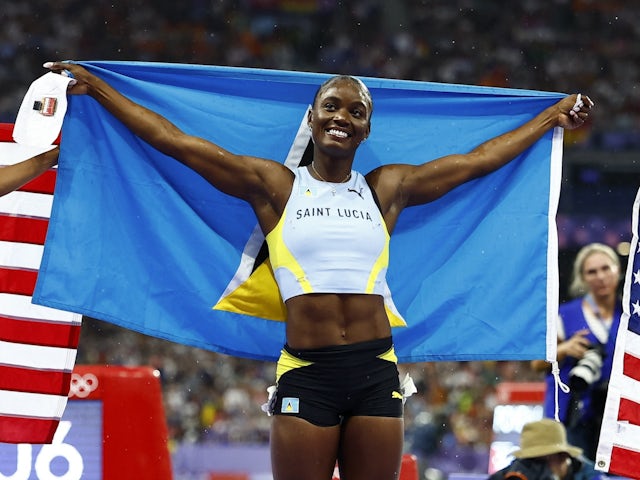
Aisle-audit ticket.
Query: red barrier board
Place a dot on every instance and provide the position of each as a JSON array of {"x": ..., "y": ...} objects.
[{"x": 134, "y": 433}]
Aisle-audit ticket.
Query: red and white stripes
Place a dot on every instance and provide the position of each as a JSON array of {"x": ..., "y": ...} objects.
[
  {"x": 619, "y": 445},
  {"x": 37, "y": 344}
]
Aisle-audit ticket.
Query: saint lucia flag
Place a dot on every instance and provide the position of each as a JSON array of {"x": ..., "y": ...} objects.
[{"x": 139, "y": 240}]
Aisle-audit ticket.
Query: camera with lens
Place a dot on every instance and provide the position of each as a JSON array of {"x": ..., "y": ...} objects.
[{"x": 588, "y": 369}]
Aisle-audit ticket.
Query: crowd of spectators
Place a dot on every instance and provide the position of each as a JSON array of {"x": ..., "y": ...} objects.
[{"x": 554, "y": 45}]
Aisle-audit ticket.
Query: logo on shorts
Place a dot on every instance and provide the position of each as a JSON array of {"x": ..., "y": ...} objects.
[
  {"x": 290, "y": 405},
  {"x": 395, "y": 394}
]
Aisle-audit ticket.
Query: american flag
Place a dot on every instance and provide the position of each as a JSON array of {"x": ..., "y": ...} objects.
[
  {"x": 37, "y": 344},
  {"x": 619, "y": 447}
]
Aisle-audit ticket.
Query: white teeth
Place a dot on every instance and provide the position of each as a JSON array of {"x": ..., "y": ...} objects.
[{"x": 338, "y": 133}]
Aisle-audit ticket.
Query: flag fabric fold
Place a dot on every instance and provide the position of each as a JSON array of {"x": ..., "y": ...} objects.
[
  {"x": 37, "y": 344},
  {"x": 619, "y": 445},
  {"x": 139, "y": 240}
]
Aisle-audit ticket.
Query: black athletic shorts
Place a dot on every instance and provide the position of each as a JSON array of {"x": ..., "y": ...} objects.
[{"x": 325, "y": 385}]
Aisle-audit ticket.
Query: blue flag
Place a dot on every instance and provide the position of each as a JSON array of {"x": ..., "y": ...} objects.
[{"x": 139, "y": 240}]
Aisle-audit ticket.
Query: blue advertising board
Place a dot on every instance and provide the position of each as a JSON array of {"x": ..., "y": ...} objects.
[{"x": 74, "y": 454}]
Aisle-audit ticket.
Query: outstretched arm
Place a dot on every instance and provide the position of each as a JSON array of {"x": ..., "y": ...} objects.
[
  {"x": 14, "y": 176},
  {"x": 405, "y": 185},
  {"x": 241, "y": 176}
]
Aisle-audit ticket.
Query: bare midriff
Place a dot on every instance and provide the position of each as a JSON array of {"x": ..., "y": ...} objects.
[{"x": 325, "y": 319}]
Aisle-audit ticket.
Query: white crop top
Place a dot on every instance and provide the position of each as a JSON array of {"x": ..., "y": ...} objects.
[{"x": 331, "y": 238}]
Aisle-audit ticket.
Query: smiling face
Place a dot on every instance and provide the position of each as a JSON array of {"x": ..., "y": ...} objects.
[{"x": 340, "y": 117}]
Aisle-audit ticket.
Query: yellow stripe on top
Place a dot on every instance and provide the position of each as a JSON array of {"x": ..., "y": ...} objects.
[
  {"x": 381, "y": 262},
  {"x": 331, "y": 238},
  {"x": 280, "y": 255}
]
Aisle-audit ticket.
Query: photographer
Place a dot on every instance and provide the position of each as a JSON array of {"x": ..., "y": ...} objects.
[
  {"x": 587, "y": 330},
  {"x": 544, "y": 454}
]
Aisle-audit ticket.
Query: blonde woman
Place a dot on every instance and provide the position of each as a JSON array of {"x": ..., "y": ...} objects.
[{"x": 587, "y": 328}]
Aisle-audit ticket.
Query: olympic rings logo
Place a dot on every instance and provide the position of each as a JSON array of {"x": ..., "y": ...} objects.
[{"x": 82, "y": 385}]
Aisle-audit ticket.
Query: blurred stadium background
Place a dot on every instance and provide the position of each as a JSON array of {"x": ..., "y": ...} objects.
[{"x": 556, "y": 45}]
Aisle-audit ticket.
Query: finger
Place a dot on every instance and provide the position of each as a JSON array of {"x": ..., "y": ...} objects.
[
  {"x": 52, "y": 65},
  {"x": 59, "y": 66},
  {"x": 579, "y": 104},
  {"x": 583, "y": 103},
  {"x": 62, "y": 69},
  {"x": 582, "y": 333},
  {"x": 589, "y": 103},
  {"x": 577, "y": 116}
]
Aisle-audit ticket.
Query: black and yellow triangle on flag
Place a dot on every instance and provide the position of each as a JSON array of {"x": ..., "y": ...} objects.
[
  {"x": 257, "y": 296},
  {"x": 253, "y": 289}
]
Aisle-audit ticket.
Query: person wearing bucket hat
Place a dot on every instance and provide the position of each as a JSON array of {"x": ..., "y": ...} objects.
[
  {"x": 544, "y": 437},
  {"x": 545, "y": 454}
]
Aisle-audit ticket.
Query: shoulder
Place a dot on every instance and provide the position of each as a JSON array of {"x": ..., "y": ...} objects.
[{"x": 385, "y": 180}]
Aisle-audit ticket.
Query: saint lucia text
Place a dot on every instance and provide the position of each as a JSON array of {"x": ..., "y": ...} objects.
[{"x": 328, "y": 212}]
